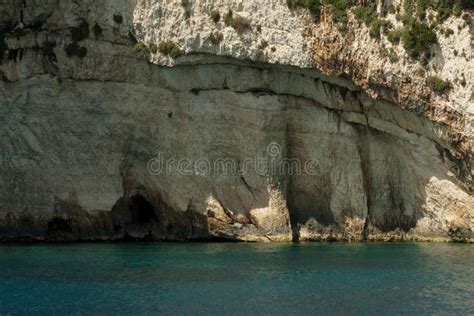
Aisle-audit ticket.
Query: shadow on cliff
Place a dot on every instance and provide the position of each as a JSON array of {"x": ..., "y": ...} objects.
[
  {"x": 132, "y": 218},
  {"x": 154, "y": 220},
  {"x": 395, "y": 175}
]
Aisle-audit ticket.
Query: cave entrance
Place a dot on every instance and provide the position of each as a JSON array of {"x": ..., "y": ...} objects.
[
  {"x": 141, "y": 210},
  {"x": 60, "y": 229}
]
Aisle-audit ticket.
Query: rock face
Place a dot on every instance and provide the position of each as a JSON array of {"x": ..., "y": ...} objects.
[{"x": 285, "y": 130}]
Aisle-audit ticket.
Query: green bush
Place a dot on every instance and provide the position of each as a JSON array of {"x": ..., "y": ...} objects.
[
  {"x": 417, "y": 39},
  {"x": 457, "y": 10},
  {"x": 444, "y": 8},
  {"x": 443, "y": 14},
  {"x": 467, "y": 18},
  {"x": 240, "y": 24},
  {"x": 142, "y": 50},
  {"x": 153, "y": 48},
  {"x": 394, "y": 36},
  {"x": 438, "y": 85},
  {"x": 365, "y": 14},
  {"x": 216, "y": 38},
  {"x": 215, "y": 16},
  {"x": 312, "y": 5},
  {"x": 421, "y": 7},
  {"x": 229, "y": 18},
  {"x": 339, "y": 15},
  {"x": 391, "y": 9},
  {"x": 409, "y": 8},
  {"x": 169, "y": 49},
  {"x": 377, "y": 25},
  {"x": 340, "y": 9}
]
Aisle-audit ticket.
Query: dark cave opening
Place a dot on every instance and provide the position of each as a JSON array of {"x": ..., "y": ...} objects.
[
  {"x": 134, "y": 217},
  {"x": 59, "y": 228},
  {"x": 141, "y": 210}
]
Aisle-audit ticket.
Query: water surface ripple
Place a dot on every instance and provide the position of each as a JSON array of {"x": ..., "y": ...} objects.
[{"x": 236, "y": 279}]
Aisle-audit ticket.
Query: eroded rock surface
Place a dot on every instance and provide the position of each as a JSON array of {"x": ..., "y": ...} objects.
[{"x": 254, "y": 137}]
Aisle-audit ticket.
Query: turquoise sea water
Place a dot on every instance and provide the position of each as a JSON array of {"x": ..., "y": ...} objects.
[{"x": 228, "y": 278}]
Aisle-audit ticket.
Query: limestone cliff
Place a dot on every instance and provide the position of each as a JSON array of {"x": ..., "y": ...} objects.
[{"x": 242, "y": 120}]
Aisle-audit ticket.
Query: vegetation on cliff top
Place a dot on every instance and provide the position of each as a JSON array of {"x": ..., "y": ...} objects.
[
  {"x": 418, "y": 8},
  {"x": 417, "y": 39},
  {"x": 164, "y": 47},
  {"x": 311, "y": 5},
  {"x": 438, "y": 85},
  {"x": 169, "y": 49},
  {"x": 418, "y": 32},
  {"x": 422, "y": 21},
  {"x": 142, "y": 50}
]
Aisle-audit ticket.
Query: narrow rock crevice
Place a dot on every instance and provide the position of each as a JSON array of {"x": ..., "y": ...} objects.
[{"x": 363, "y": 148}]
